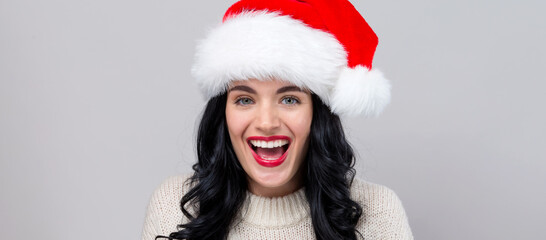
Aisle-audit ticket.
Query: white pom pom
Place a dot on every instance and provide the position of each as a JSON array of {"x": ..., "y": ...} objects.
[{"x": 360, "y": 91}]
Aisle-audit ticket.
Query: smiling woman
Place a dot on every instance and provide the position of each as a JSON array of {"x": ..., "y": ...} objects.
[
  {"x": 268, "y": 124},
  {"x": 273, "y": 160}
]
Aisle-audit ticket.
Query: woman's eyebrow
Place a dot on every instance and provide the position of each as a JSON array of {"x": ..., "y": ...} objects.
[
  {"x": 289, "y": 89},
  {"x": 243, "y": 88}
]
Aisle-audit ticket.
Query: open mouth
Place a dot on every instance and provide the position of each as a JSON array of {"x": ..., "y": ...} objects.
[{"x": 269, "y": 151}]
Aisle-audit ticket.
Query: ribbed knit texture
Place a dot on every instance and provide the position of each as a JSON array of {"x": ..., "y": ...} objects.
[{"x": 285, "y": 217}]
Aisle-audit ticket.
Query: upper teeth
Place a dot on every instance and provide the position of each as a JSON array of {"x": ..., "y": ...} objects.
[{"x": 268, "y": 144}]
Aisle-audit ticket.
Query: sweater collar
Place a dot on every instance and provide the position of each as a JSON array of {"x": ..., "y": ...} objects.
[{"x": 276, "y": 211}]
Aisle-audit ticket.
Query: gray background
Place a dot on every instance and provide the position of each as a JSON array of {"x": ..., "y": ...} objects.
[{"x": 97, "y": 107}]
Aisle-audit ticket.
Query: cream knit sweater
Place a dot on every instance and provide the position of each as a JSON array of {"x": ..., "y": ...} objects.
[{"x": 283, "y": 217}]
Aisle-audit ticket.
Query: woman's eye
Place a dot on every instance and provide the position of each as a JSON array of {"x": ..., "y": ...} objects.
[
  {"x": 289, "y": 101},
  {"x": 244, "y": 101}
]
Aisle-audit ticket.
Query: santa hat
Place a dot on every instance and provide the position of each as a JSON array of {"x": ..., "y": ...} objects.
[{"x": 325, "y": 46}]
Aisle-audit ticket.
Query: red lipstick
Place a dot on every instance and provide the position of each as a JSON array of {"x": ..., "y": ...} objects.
[{"x": 268, "y": 162}]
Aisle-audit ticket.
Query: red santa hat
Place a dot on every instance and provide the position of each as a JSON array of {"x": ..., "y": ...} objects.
[{"x": 325, "y": 46}]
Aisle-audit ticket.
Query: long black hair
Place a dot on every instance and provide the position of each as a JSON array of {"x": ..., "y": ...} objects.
[{"x": 220, "y": 183}]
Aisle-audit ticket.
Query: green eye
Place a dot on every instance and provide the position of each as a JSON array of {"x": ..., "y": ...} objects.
[
  {"x": 244, "y": 101},
  {"x": 289, "y": 101}
]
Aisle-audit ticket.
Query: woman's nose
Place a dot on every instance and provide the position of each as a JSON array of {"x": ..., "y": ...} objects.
[{"x": 268, "y": 120}]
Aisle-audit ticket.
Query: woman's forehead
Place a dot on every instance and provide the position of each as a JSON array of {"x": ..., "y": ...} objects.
[{"x": 273, "y": 84}]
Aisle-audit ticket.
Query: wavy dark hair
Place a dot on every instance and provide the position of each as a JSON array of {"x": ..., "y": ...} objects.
[{"x": 220, "y": 183}]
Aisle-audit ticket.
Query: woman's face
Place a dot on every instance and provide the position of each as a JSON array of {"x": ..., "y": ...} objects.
[{"x": 269, "y": 124}]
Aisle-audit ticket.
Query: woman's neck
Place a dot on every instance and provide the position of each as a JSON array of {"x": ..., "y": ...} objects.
[{"x": 291, "y": 186}]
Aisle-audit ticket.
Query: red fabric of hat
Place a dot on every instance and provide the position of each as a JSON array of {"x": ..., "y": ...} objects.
[{"x": 338, "y": 17}]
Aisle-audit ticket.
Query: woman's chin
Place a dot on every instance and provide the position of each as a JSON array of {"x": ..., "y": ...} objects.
[
  {"x": 270, "y": 180},
  {"x": 272, "y": 183}
]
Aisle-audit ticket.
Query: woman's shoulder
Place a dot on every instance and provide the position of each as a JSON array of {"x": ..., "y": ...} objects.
[
  {"x": 383, "y": 215},
  {"x": 163, "y": 214},
  {"x": 172, "y": 188},
  {"x": 174, "y": 184},
  {"x": 372, "y": 194}
]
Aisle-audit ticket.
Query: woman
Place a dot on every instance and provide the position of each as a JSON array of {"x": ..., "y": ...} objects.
[{"x": 273, "y": 161}]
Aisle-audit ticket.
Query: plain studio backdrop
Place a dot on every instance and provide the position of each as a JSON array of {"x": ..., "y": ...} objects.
[{"x": 97, "y": 107}]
